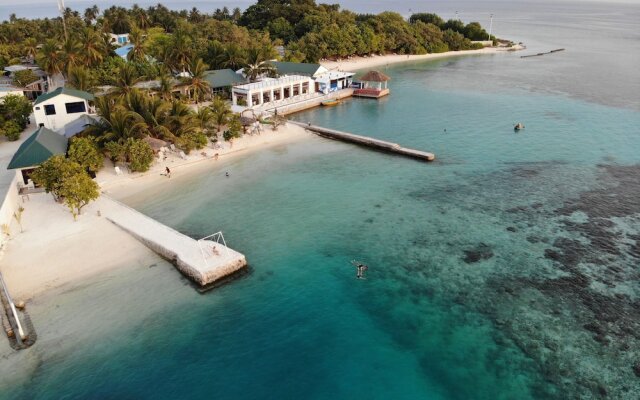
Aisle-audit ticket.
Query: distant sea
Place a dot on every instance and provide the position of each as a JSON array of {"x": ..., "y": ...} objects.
[{"x": 506, "y": 269}]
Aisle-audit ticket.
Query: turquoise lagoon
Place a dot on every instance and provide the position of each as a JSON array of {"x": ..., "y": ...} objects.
[{"x": 507, "y": 269}]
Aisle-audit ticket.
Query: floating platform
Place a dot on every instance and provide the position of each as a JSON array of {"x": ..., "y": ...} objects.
[
  {"x": 371, "y": 93},
  {"x": 202, "y": 261},
  {"x": 366, "y": 141}
]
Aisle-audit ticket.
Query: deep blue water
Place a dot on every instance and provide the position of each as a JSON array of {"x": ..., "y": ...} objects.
[{"x": 507, "y": 269}]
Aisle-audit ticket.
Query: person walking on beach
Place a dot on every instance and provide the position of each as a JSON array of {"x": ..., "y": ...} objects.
[{"x": 168, "y": 171}]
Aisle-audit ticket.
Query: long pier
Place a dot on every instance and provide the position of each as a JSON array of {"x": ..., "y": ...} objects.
[
  {"x": 204, "y": 261},
  {"x": 366, "y": 141}
]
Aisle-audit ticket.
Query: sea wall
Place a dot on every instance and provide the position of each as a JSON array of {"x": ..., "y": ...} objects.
[{"x": 10, "y": 205}]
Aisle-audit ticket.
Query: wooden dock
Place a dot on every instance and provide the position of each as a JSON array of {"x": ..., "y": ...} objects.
[
  {"x": 366, "y": 141},
  {"x": 204, "y": 261}
]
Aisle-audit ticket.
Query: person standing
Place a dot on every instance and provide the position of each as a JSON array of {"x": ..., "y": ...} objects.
[{"x": 168, "y": 171}]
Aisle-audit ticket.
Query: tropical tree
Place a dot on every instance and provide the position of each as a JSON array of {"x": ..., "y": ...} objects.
[
  {"x": 138, "y": 53},
  {"x": 205, "y": 119},
  {"x": 81, "y": 78},
  {"x": 50, "y": 58},
  {"x": 78, "y": 190},
  {"x": 198, "y": 85},
  {"x": 256, "y": 65},
  {"x": 125, "y": 80},
  {"x": 29, "y": 48},
  {"x": 139, "y": 154},
  {"x": 70, "y": 54},
  {"x": 90, "y": 14},
  {"x": 53, "y": 172},
  {"x": 221, "y": 112},
  {"x": 234, "y": 57},
  {"x": 121, "y": 125},
  {"x": 166, "y": 84},
  {"x": 139, "y": 17},
  {"x": 94, "y": 46},
  {"x": 24, "y": 77},
  {"x": 84, "y": 151}
]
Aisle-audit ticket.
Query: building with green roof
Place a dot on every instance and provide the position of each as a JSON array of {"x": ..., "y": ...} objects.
[
  {"x": 38, "y": 148},
  {"x": 223, "y": 79}
]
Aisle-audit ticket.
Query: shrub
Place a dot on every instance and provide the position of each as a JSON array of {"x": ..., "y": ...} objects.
[
  {"x": 139, "y": 154},
  {"x": 85, "y": 152},
  {"x": 11, "y": 130}
]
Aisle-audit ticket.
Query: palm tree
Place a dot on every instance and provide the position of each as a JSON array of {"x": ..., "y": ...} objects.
[
  {"x": 221, "y": 112},
  {"x": 198, "y": 85},
  {"x": 126, "y": 80},
  {"x": 179, "y": 115},
  {"x": 140, "y": 17},
  {"x": 166, "y": 84},
  {"x": 80, "y": 78},
  {"x": 138, "y": 52},
  {"x": 29, "y": 48},
  {"x": 205, "y": 119},
  {"x": 180, "y": 53},
  {"x": 90, "y": 14},
  {"x": 256, "y": 65},
  {"x": 234, "y": 57},
  {"x": 215, "y": 56},
  {"x": 70, "y": 53},
  {"x": 94, "y": 46},
  {"x": 50, "y": 59},
  {"x": 120, "y": 126}
]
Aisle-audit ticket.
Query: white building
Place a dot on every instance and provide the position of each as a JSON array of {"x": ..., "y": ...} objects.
[
  {"x": 56, "y": 109},
  {"x": 119, "y": 39},
  {"x": 333, "y": 80},
  {"x": 271, "y": 90}
]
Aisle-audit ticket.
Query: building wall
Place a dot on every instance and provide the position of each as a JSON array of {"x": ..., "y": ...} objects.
[
  {"x": 10, "y": 205},
  {"x": 61, "y": 118}
]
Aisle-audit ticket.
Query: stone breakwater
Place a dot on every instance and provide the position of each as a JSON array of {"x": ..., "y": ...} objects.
[{"x": 202, "y": 261}]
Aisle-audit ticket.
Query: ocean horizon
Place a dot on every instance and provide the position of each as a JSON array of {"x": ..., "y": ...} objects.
[{"x": 506, "y": 269}]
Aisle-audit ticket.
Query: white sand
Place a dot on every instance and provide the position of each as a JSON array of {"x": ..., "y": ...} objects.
[
  {"x": 357, "y": 63},
  {"x": 54, "y": 250},
  {"x": 128, "y": 184}
]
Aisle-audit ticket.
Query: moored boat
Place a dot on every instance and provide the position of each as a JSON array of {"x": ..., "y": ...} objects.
[{"x": 330, "y": 103}]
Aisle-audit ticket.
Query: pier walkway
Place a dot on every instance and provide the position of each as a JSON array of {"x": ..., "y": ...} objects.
[
  {"x": 366, "y": 141},
  {"x": 204, "y": 261}
]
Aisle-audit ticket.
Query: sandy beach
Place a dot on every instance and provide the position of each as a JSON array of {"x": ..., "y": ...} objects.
[
  {"x": 357, "y": 63},
  {"x": 53, "y": 250},
  {"x": 127, "y": 184}
]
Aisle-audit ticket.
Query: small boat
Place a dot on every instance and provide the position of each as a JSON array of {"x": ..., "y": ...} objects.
[
  {"x": 518, "y": 126},
  {"x": 330, "y": 103}
]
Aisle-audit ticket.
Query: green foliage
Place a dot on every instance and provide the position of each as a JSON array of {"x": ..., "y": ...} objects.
[
  {"x": 53, "y": 172},
  {"x": 24, "y": 77},
  {"x": 67, "y": 181},
  {"x": 234, "y": 129},
  {"x": 85, "y": 152},
  {"x": 193, "y": 139},
  {"x": 139, "y": 154},
  {"x": 16, "y": 108},
  {"x": 427, "y": 18},
  {"x": 77, "y": 191},
  {"x": 11, "y": 130},
  {"x": 116, "y": 151}
]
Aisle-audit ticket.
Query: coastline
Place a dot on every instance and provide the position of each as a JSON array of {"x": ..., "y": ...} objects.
[
  {"x": 358, "y": 63},
  {"x": 126, "y": 185},
  {"x": 39, "y": 258}
]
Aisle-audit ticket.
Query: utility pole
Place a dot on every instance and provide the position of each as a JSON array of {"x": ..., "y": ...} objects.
[
  {"x": 490, "y": 25},
  {"x": 62, "y": 9}
]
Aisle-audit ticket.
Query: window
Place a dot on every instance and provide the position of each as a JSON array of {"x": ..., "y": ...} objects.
[
  {"x": 50, "y": 109},
  {"x": 76, "y": 107}
]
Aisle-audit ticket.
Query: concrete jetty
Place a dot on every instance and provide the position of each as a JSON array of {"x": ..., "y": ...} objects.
[
  {"x": 204, "y": 261},
  {"x": 366, "y": 141}
]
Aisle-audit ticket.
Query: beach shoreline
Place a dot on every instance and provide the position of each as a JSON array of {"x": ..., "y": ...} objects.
[{"x": 359, "y": 63}]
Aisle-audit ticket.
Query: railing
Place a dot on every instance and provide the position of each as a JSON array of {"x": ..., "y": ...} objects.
[{"x": 12, "y": 306}]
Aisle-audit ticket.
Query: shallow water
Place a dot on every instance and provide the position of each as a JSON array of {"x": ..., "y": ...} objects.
[{"x": 506, "y": 269}]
